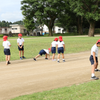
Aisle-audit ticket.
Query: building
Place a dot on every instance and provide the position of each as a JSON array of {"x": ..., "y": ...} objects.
[
  {"x": 56, "y": 29},
  {"x": 45, "y": 29},
  {"x": 5, "y": 30},
  {"x": 15, "y": 28}
]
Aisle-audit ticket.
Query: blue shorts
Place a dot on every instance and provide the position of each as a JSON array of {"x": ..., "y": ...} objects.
[
  {"x": 42, "y": 52},
  {"x": 61, "y": 50},
  {"x": 7, "y": 51},
  {"x": 21, "y": 49},
  {"x": 92, "y": 60},
  {"x": 53, "y": 49}
]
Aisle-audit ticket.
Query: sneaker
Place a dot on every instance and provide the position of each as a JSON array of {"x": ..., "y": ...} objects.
[
  {"x": 34, "y": 59},
  {"x": 58, "y": 61},
  {"x": 46, "y": 58},
  {"x": 9, "y": 62},
  {"x": 63, "y": 60},
  {"x": 95, "y": 78},
  {"x": 20, "y": 58},
  {"x": 96, "y": 70},
  {"x": 53, "y": 59},
  {"x": 23, "y": 57}
]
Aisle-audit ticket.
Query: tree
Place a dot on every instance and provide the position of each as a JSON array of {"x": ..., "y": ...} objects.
[
  {"x": 43, "y": 11},
  {"x": 88, "y": 9},
  {"x": 19, "y": 22},
  {"x": 29, "y": 24},
  {"x": 5, "y": 23},
  {"x": 66, "y": 21},
  {"x": 80, "y": 24}
]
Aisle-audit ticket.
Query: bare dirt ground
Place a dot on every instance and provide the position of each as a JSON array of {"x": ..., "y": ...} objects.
[{"x": 27, "y": 76}]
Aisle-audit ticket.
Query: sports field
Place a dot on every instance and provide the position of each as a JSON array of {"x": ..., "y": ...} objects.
[{"x": 24, "y": 77}]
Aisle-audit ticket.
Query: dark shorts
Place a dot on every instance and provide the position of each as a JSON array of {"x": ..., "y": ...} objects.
[
  {"x": 53, "y": 49},
  {"x": 7, "y": 51},
  {"x": 61, "y": 50},
  {"x": 92, "y": 60},
  {"x": 42, "y": 52},
  {"x": 21, "y": 49}
]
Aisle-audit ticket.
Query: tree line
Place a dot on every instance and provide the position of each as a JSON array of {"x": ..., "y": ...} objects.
[
  {"x": 64, "y": 13},
  {"x": 7, "y": 24}
]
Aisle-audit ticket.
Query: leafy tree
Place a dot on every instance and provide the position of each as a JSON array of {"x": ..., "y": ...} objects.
[
  {"x": 88, "y": 9},
  {"x": 5, "y": 23},
  {"x": 42, "y": 12},
  {"x": 68, "y": 20},
  {"x": 79, "y": 21},
  {"x": 28, "y": 16}
]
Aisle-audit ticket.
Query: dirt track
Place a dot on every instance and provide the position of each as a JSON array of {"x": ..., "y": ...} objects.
[{"x": 27, "y": 76}]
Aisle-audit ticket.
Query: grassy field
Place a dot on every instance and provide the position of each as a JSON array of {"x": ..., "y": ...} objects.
[
  {"x": 34, "y": 44},
  {"x": 86, "y": 91}
]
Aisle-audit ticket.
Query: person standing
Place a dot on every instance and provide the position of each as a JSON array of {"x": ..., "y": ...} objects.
[
  {"x": 20, "y": 42},
  {"x": 6, "y": 45},
  {"x": 61, "y": 49},
  {"x": 53, "y": 48}
]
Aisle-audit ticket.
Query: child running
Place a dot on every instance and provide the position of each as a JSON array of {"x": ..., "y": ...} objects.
[
  {"x": 20, "y": 42},
  {"x": 6, "y": 45},
  {"x": 53, "y": 48},
  {"x": 61, "y": 48},
  {"x": 45, "y": 52},
  {"x": 94, "y": 59}
]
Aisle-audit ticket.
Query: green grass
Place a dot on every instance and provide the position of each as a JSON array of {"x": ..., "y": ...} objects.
[
  {"x": 86, "y": 91},
  {"x": 34, "y": 44}
]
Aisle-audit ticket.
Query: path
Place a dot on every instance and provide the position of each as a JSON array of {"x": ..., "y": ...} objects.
[{"x": 27, "y": 76}]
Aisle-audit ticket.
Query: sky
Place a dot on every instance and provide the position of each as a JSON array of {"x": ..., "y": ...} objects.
[{"x": 10, "y": 10}]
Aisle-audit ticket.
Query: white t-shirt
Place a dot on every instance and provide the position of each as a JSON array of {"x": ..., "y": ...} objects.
[
  {"x": 94, "y": 49},
  {"x": 54, "y": 43},
  {"x": 20, "y": 41},
  {"x": 60, "y": 44},
  {"x": 47, "y": 51},
  {"x": 6, "y": 44}
]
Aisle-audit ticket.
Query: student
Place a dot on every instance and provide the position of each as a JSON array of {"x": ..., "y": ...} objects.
[
  {"x": 45, "y": 52},
  {"x": 94, "y": 59},
  {"x": 61, "y": 49},
  {"x": 6, "y": 45},
  {"x": 53, "y": 48},
  {"x": 20, "y": 42}
]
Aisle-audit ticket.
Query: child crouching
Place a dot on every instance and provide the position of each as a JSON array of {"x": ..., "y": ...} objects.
[{"x": 43, "y": 52}]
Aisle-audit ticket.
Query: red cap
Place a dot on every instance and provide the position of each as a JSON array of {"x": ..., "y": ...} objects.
[
  {"x": 49, "y": 48},
  {"x": 5, "y": 38},
  {"x": 56, "y": 39},
  {"x": 98, "y": 41},
  {"x": 19, "y": 34},
  {"x": 60, "y": 37}
]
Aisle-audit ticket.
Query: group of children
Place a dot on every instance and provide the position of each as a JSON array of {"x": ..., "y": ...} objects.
[
  {"x": 58, "y": 44},
  {"x": 55, "y": 45},
  {"x": 7, "y": 45}
]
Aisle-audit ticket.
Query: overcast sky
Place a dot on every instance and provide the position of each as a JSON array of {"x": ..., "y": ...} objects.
[{"x": 10, "y": 10}]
